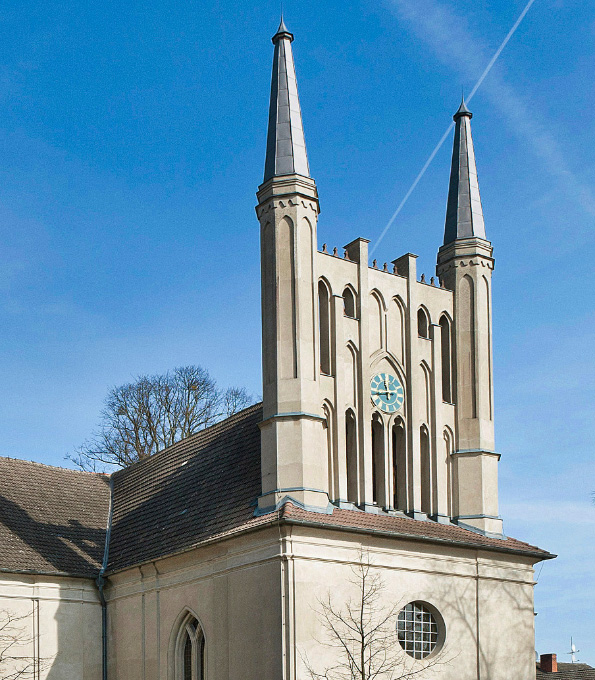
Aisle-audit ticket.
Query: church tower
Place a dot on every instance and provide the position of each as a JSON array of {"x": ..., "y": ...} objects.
[
  {"x": 377, "y": 390},
  {"x": 465, "y": 266},
  {"x": 292, "y": 428}
]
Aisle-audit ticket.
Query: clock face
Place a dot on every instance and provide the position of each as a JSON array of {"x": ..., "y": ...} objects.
[{"x": 387, "y": 392}]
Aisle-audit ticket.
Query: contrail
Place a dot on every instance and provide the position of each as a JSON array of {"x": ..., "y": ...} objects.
[{"x": 488, "y": 68}]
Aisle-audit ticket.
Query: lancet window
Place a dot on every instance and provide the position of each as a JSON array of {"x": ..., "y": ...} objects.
[
  {"x": 190, "y": 651},
  {"x": 378, "y": 482},
  {"x": 423, "y": 326},
  {"x": 349, "y": 303},
  {"x": 324, "y": 328},
  {"x": 399, "y": 466},
  {"x": 351, "y": 454},
  {"x": 447, "y": 363}
]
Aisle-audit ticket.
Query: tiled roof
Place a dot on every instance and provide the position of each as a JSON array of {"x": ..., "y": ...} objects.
[
  {"x": 52, "y": 520},
  {"x": 404, "y": 527},
  {"x": 202, "y": 488},
  {"x": 205, "y": 488},
  {"x": 568, "y": 671}
]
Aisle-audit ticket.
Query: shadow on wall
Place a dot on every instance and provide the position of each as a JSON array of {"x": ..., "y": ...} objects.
[
  {"x": 505, "y": 624},
  {"x": 62, "y": 615}
]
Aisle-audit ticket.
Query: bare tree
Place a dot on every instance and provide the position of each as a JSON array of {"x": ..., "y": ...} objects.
[
  {"x": 14, "y": 639},
  {"x": 153, "y": 412},
  {"x": 363, "y": 633}
]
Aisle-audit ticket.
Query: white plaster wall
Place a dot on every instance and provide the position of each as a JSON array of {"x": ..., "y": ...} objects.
[
  {"x": 256, "y": 597},
  {"x": 61, "y": 624},
  {"x": 233, "y": 588},
  {"x": 486, "y": 602}
]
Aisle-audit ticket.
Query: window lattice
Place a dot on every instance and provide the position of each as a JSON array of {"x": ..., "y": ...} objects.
[{"x": 417, "y": 630}]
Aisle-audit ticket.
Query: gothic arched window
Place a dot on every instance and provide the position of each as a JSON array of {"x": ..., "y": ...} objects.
[
  {"x": 399, "y": 466},
  {"x": 378, "y": 482},
  {"x": 351, "y": 456},
  {"x": 324, "y": 319},
  {"x": 190, "y": 650},
  {"x": 422, "y": 324},
  {"x": 349, "y": 303},
  {"x": 446, "y": 343}
]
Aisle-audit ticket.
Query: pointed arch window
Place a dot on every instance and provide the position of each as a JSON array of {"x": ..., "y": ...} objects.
[
  {"x": 399, "y": 466},
  {"x": 378, "y": 482},
  {"x": 351, "y": 456},
  {"x": 349, "y": 303},
  {"x": 423, "y": 325},
  {"x": 324, "y": 320},
  {"x": 447, "y": 362},
  {"x": 190, "y": 651}
]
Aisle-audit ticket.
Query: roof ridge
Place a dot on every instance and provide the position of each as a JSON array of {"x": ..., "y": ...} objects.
[
  {"x": 54, "y": 467},
  {"x": 200, "y": 433}
]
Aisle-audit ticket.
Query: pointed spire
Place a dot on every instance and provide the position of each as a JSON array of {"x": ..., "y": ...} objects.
[
  {"x": 464, "y": 214},
  {"x": 286, "y": 147}
]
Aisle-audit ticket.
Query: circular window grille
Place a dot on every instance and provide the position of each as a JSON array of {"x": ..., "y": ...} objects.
[{"x": 417, "y": 630}]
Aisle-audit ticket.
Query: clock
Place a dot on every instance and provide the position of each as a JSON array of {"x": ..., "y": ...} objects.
[{"x": 387, "y": 392}]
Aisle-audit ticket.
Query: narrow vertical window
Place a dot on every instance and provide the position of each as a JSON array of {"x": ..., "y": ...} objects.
[
  {"x": 324, "y": 328},
  {"x": 445, "y": 337},
  {"x": 378, "y": 461},
  {"x": 426, "y": 471},
  {"x": 188, "y": 658},
  {"x": 399, "y": 467},
  {"x": 422, "y": 323},
  {"x": 351, "y": 444},
  {"x": 349, "y": 303},
  {"x": 190, "y": 651}
]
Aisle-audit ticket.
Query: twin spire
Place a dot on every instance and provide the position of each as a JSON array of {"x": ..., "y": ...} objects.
[
  {"x": 464, "y": 215},
  {"x": 286, "y": 147}
]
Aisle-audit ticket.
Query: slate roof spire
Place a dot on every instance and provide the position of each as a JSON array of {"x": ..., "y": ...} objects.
[
  {"x": 464, "y": 214},
  {"x": 286, "y": 147}
]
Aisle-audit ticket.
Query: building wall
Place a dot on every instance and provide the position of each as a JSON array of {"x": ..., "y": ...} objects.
[
  {"x": 485, "y": 599},
  {"x": 383, "y": 337},
  {"x": 257, "y": 597},
  {"x": 234, "y": 590},
  {"x": 60, "y": 624}
]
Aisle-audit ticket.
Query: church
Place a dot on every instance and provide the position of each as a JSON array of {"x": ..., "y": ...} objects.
[{"x": 374, "y": 442}]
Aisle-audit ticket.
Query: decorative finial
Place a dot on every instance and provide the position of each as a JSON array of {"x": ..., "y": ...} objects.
[
  {"x": 395, "y": 269},
  {"x": 324, "y": 248},
  {"x": 282, "y": 31},
  {"x": 375, "y": 264},
  {"x": 423, "y": 278},
  {"x": 442, "y": 283},
  {"x": 432, "y": 281},
  {"x": 335, "y": 252},
  {"x": 463, "y": 110},
  {"x": 346, "y": 254},
  {"x": 385, "y": 268}
]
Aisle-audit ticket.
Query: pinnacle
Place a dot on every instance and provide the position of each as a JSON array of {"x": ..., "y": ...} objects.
[
  {"x": 282, "y": 32},
  {"x": 463, "y": 110}
]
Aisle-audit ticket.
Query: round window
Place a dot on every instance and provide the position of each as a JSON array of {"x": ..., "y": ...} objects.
[{"x": 418, "y": 629}]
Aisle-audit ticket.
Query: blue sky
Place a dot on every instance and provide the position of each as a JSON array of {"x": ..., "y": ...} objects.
[{"x": 133, "y": 140}]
